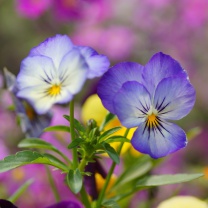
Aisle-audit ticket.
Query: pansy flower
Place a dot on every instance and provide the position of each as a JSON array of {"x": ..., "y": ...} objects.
[
  {"x": 66, "y": 204},
  {"x": 7, "y": 204},
  {"x": 54, "y": 72},
  {"x": 148, "y": 97},
  {"x": 31, "y": 123}
]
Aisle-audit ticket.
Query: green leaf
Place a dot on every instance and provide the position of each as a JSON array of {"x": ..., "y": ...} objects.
[
  {"x": 111, "y": 152},
  {"x": 40, "y": 144},
  {"x": 110, "y": 204},
  {"x": 117, "y": 139},
  {"x": 93, "y": 134},
  {"x": 107, "y": 119},
  {"x": 160, "y": 180},
  {"x": 28, "y": 157},
  {"x": 57, "y": 128},
  {"x": 137, "y": 169},
  {"x": 76, "y": 142},
  {"x": 36, "y": 143},
  {"x": 74, "y": 180},
  {"x": 108, "y": 133},
  {"x": 77, "y": 125},
  {"x": 56, "y": 161},
  {"x": 16, "y": 195}
]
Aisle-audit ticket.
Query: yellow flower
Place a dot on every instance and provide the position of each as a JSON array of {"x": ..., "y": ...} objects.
[
  {"x": 183, "y": 202},
  {"x": 93, "y": 109},
  {"x": 100, "y": 183}
]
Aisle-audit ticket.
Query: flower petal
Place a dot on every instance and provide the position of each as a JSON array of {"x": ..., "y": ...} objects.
[
  {"x": 131, "y": 103},
  {"x": 55, "y": 48},
  {"x": 174, "y": 98},
  {"x": 5, "y": 203},
  {"x": 35, "y": 71},
  {"x": 98, "y": 64},
  {"x": 159, "y": 142},
  {"x": 65, "y": 204},
  {"x": 10, "y": 80},
  {"x": 113, "y": 80},
  {"x": 159, "y": 67},
  {"x": 39, "y": 99},
  {"x": 73, "y": 71},
  {"x": 33, "y": 127}
]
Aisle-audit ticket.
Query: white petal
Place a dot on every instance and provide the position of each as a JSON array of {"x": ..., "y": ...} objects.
[
  {"x": 36, "y": 70},
  {"x": 73, "y": 71},
  {"x": 55, "y": 48}
]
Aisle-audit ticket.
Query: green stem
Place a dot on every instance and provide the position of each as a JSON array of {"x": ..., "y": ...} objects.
[
  {"x": 82, "y": 165},
  {"x": 83, "y": 192},
  {"x": 53, "y": 185},
  {"x": 75, "y": 156},
  {"x": 85, "y": 198},
  {"x": 102, "y": 193},
  {"x": 17, "y": 194}
]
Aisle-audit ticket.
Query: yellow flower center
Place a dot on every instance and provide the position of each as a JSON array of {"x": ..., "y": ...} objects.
[
  {"x": 152, "y": 120},
  {"x": 54, "y": 90}
]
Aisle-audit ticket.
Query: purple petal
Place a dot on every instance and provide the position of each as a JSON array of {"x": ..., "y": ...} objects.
[
  {"x": 174, "y": 98},
  {"x": 159, "y": 142},
  {"x": 55, "y": 48},
  {"x": 6, "y": 204},
  {"x": 65, "y": 204},
  {"x": 159, "y": 67},
  {"x": 10, "y": 80},
  {"x": 131, "y": 103},
  {"x": 113, "y": 80},
  {"x": 98, "y": 64}
]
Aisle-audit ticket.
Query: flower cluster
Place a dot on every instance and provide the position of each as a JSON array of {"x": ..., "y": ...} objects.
[
  {"x": 144, "y": 99},
  {"x": 148, "y": 97}
]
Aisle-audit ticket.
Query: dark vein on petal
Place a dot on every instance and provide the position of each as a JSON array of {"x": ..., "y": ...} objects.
[
  {"x": 158, "y": 108},
  {"x": 141, "y": 111},
  {"x": 145, "y": 127},
  {"x": 163, "y": 107},
  {"x": 143, "y": 107}
]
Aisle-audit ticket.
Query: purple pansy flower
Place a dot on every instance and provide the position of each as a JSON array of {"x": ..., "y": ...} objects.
[
  {"x": 31, "y": 123},
  {"x": 6, "y": 204},
  {"x": 148, "y": 97},
  {"x": 65, "y": 204},
  {"x": 55, "y": 71}
]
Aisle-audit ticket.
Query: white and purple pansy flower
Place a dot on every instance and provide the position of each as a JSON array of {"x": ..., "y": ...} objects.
[
  {"x": 56, "y": 70},
  {"x": 31, "y": 123},
  {"x": 148, "y": 97}
]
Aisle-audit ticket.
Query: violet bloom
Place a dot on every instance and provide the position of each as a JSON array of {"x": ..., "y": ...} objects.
[
  {"x": 148, "y": 97},
  {"x": 66, "y": 204},
  {"x": 55, "y": 71},
  {"x": 6, "y": 204},
  {"x": 31, "y": 123}
]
